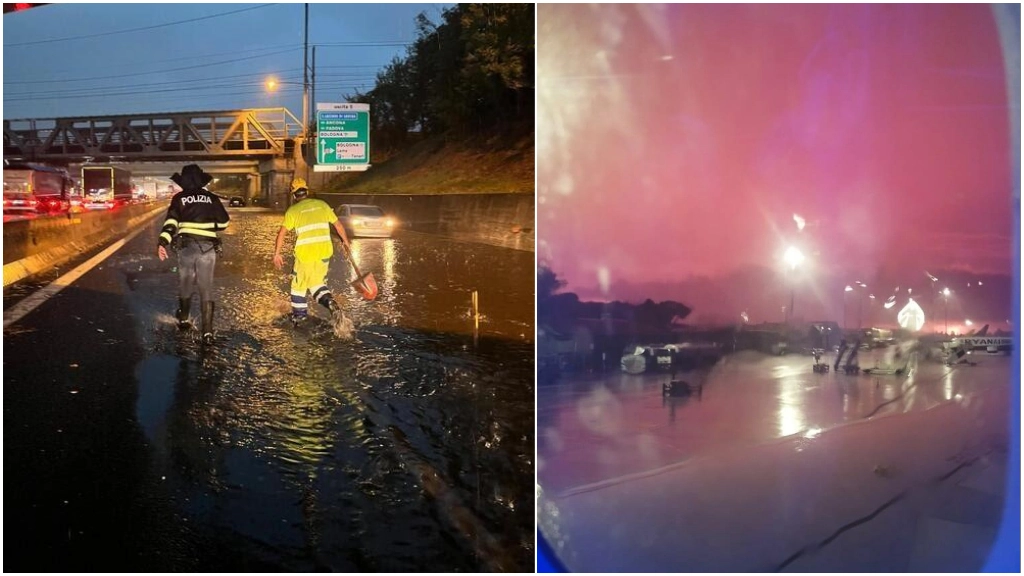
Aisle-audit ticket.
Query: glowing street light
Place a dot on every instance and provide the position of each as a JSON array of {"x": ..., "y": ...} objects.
[
  {"x": 968, "y": 322},
  {"x": 945, "y": 308},
  {"x": 793, "y": 257},
  {"x": 845, "y": 290},
  {"x": 272, "y": 84}
]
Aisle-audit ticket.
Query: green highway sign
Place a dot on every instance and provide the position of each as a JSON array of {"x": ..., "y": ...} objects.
[{"x": 343, "y": 137}]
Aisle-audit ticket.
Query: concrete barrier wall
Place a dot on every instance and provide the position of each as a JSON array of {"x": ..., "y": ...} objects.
[
  {"x": 31, "y": 246},
  {"x": 505, "y": 220}
]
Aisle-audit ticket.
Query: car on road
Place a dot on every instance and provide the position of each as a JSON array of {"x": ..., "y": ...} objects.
[
  {"x": 236, "y": 201},
  {"x": 19, "y": 202},
  {"x": 98, "y": 202},
  {"x": 365, "y": 220}
]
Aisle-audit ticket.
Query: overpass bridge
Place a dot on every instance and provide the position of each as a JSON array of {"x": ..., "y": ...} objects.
[{"x": 264, "y": 143}]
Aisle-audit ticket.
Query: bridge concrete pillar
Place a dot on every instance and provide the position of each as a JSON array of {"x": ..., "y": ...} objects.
[
  {"x": 255, "y": 191},
  {"x": 275, "y": 179}
]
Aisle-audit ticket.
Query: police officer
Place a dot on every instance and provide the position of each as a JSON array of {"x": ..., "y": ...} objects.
[
  {"x": 193, "y": 220},
  {"x": 311, "y": 219}
]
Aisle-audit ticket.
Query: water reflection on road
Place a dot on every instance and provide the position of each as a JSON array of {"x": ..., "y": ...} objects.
[{"x": 406, "y": 447}]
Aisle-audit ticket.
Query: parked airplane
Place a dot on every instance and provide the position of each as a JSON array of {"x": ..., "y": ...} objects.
[{"x": 981, "y": 341}]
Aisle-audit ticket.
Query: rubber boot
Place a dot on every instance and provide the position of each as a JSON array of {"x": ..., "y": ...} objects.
[
  {"x": 327, "y": 301},
  {"x": 184, "y": 307},
  {"x": 207, "y": 328}
]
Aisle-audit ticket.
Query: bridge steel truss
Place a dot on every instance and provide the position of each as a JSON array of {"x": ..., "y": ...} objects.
[{"x": 217, "y": 135}]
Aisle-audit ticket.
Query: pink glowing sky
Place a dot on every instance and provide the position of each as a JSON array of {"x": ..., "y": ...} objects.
[{"x": 679, "y": 141}]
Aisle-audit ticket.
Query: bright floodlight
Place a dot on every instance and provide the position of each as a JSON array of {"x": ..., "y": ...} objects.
[
  {"x": 911, "y": 317},
  {"x": 945, "y": 291},
  {"x": 968, "y": 322},
  {"x": 793, "y": 257},
  {"x": 848, "y": 289}
]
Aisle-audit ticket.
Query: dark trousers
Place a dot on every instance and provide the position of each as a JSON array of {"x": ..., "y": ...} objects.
[{"x": 196, "y": 259}]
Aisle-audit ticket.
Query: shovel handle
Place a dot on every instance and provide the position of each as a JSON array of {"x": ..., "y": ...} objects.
[{"x": 348, "y": 254}]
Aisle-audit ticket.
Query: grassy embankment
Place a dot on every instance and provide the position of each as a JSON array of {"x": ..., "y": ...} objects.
[{"x": 440, "y": 165}]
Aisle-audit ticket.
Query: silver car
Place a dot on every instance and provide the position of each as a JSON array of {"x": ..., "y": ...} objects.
[{"x": 365, "y": 220}]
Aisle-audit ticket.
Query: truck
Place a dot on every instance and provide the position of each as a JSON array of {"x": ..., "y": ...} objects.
[
  {"x": 31, "y": 188},
  {"x": 106, "y": 187}
]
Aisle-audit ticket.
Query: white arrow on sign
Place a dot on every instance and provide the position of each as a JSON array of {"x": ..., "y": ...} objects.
[{"x": 323, "y": 150}]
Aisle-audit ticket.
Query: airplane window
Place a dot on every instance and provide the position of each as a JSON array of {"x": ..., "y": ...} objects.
[{"x": 728, "y": 178}]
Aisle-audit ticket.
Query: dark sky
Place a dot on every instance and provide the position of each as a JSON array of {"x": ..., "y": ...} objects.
[
  {"x": 208, "y": 64},
  {"x": 678, "y": 142}
]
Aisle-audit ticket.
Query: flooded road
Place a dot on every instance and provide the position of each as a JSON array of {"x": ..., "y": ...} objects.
[
  {"x": 406, "y": 446},
  {"x": 764, "y": 467}
]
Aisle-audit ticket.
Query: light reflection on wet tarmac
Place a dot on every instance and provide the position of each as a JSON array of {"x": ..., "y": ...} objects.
[
  {"x": 627, "y": 425},
  {"x": 768, "y": 460},
  {"x": 402, "y": 448}
]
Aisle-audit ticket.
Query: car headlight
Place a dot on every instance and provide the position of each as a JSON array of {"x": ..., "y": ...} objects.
[
  {"x": 357, "y": 222},
  {"x": 390, "y": 222}
]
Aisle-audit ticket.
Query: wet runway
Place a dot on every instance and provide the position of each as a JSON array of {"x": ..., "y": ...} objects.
[
  {"x": 767, "y": 459},
  {"x": 408, "y": 446}
]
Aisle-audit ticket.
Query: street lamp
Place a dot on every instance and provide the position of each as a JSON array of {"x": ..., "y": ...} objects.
[
  {"x": 793, "y": 258},
  {"x": 872, "y": 297},
  {"x": 847, "y": 289},
  {"x": 945, "y": 308},
  {"x": 860, "y": 305},
  {"x": 272, "y": 84}
]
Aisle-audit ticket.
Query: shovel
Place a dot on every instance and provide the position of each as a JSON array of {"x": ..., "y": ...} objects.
[{"x": 365, "y": 284}]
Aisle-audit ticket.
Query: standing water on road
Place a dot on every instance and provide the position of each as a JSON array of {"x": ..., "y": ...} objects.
[{"x": 406, "y": 446}]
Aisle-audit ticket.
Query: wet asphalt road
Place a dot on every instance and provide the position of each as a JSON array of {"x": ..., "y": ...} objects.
[
  {"x": 629, "y": 427},
  {"x": 768, "y": 460},
  {"x": 408, "y": 446}
]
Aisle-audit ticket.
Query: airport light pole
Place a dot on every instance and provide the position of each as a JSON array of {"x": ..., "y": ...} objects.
[
  {"x": 848, "y": 288},
  {"x": 870, "y": 297},
  {"x": 945, "y": 309},
  {"x": 793, "y": 258}
]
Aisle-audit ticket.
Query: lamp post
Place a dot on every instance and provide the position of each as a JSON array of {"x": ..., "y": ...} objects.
[
  {"x": 793, "y": 258},
  {"x": 860, "y": 303},
  {"x": 945, "y": 309},
  {"x": 870, "y": 297},
  {"x": 272, "y": 84},
  {"x": 845, "y": 290}
]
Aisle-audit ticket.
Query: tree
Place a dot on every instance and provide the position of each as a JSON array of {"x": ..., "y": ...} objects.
[{"x": 471, "y": 73}]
